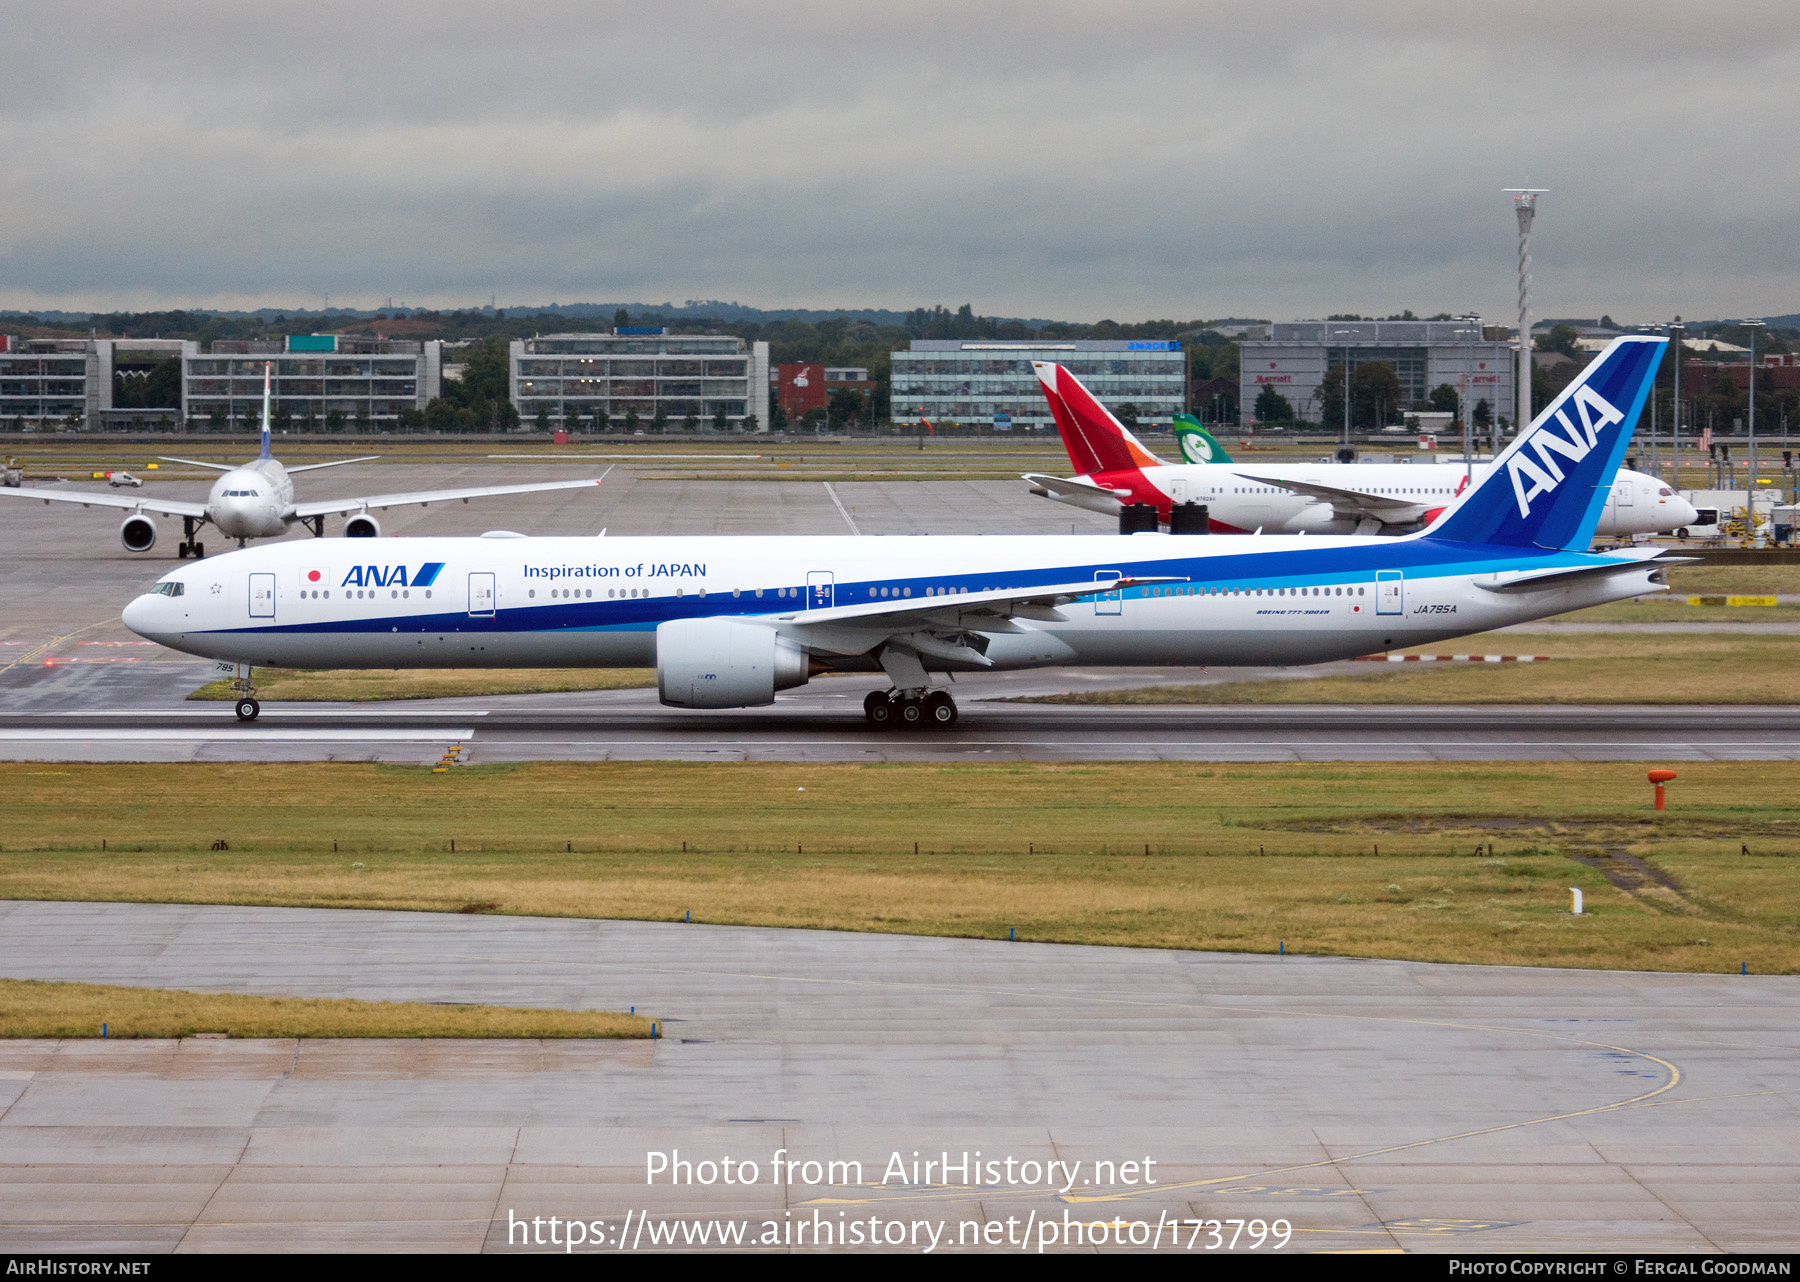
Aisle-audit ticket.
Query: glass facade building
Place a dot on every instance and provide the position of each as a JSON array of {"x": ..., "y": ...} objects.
[
  {"x": 991, "y": 383},
  {"x": 1294, "y": 358},
  {"x": 367, "y": 380},
  {"x": 45, "y": 380},
  {"x": 568, "y": 377}
]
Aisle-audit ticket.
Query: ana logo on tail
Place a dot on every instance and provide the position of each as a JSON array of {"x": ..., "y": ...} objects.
[{"x": 1573, "y": 443}]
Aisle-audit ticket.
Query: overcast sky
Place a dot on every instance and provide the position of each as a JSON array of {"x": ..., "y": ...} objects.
[{"x": 1074, "y": 161}]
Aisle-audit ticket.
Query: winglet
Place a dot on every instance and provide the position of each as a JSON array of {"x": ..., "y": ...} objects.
[
  {"x": 268, "y": 375},
  {"x": 1096, "y": 441}
]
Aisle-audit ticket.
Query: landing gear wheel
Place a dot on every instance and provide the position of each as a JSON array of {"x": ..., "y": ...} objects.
[
  {"x": 940, "y": 710},
  {"x": 870, "y": 700},
  {"x": 181, "y": 551},
  {"x": 912, "y": 713},
  {"x": 879, "y": 709},
  {"x": 247, "y": 709},
  {"x": 199, "y": 550}
]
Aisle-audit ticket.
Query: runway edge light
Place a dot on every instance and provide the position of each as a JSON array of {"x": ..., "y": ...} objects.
[{"x": 1659, "y": 778}]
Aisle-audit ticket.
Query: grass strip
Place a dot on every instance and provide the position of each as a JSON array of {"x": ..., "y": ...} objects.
[
  {"x": 1592, "y": 668},
  {"x": 36, "y": 1008},
  {"x": 1467, "y": 862}
]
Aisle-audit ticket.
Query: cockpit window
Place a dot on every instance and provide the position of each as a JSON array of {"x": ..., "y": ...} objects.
[
  {"x": 169, "y": 589},
  {"x": 1665, "y": 493}
]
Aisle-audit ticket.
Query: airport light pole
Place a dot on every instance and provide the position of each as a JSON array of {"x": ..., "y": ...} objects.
[
  {"x": 1525, "y": 206},
  {"x": 1750, "y": 481},
  {"x": 1676, "y": 330},
  {"x": 1345, "y": 334}
]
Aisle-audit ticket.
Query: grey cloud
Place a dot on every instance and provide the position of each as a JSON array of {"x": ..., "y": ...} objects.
[{"x": 1042, "y": 159}]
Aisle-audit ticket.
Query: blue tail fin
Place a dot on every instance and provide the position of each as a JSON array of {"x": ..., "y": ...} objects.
[{"x": 1547, "y": 488}]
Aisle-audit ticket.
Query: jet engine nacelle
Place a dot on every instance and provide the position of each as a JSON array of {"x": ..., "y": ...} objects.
[
  {"x": 1318, "y": 518},
  {"x": 138, "y": 533},
  {"x": 362, "y": 526},
  {"x": 724, "y": 663}
]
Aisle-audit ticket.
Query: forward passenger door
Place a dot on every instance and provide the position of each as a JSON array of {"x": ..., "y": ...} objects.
[{"x": 481, "y": 596}]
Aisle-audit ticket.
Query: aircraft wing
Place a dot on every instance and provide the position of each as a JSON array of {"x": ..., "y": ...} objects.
[
  {"x": 87, "y": 498},
  {"x": 1352, "y": 501},
  {"x": 942, "y": 626},
  {"x": 194, "y": 462},
  {"x": 326, "y": 507},
  {"x": 1058, "y": 485}
]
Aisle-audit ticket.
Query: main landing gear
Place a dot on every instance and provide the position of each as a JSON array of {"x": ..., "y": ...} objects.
[
  {"x": 910, "y": 709},
  {"x": 188, "y": 547}
]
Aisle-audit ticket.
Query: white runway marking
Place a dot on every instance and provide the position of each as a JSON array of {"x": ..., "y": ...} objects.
[{"x": 233, "y": 732}]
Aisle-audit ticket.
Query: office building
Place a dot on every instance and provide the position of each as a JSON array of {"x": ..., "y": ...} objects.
[
  {"x": 321, "y": 381},
  {"x": 991, "y": 383},
  {"x": 1294, "y": 357},
  {"x": 568, "y": 378}
]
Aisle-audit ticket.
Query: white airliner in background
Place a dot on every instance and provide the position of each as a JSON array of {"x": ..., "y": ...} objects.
[
  {"x": 1114, "y": 469},
  {"x": 728, "y": 621},
  {"x": 255, "y": 500}
]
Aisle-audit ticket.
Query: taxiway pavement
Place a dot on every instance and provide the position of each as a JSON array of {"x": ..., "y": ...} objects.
[{"x": 1375, "y": 1105}]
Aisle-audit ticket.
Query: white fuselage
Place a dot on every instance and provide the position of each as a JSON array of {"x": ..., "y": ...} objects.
[
  {"x": 1238, "y": 499},
  {"x": 597, "y": 602}
]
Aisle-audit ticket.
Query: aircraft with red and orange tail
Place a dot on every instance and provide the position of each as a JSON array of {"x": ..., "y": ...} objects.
[{"x": 1114, "y": 469}]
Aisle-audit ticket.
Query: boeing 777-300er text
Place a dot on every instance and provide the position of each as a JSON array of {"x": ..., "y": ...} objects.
[
  {"x": 1114, "y": 469},
  {"x": 255, "y": 500},
  {"x": 728, "y": 621}
]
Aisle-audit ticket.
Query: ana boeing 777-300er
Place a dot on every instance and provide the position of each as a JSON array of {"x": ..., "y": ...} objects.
[
  {"x": 1115, "y": 469},
  {"x": 255, "y": 500},
  {"x": 729, "y": 621}
]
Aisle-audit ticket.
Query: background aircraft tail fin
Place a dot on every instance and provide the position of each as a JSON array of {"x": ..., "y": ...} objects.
[
  {"x": 1547, "y": 488},
  {"x": 1096, "y": 441},
  {"x": 1197, "y": 444}
]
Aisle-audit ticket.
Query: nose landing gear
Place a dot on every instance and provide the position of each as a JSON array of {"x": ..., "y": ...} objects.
[
  {"x": 910, "y": 709},
  {"x": 248, "y": 709}
]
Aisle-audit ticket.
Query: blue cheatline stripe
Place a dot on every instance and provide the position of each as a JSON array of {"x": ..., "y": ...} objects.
[
  {"x": 427, "y": 574},
  {"x": 1417, "y": 559}
]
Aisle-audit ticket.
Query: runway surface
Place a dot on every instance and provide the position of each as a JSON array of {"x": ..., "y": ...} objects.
[
  {"x": 1374, "y": 1105},
  {"x": 827, "y": 726},
  {"x": 75, "y": 685}
]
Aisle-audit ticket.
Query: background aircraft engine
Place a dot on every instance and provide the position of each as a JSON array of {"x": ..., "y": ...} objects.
[
  {"x": 362, "y": 526},
  {"x": 724, "y": 663},
  {"x": 1318, "y": 518},
  {"x": 138, "y": 534}
]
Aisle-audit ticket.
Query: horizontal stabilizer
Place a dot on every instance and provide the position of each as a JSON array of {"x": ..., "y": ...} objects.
[
  {"x": 313, "y": 467},
  {"x": 194, "y": 462},
  {"x": 1544, "y": 580}
]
